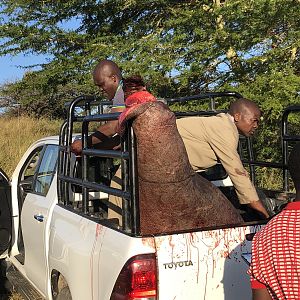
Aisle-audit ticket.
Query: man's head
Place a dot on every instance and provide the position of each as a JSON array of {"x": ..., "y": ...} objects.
[
  {"x": 246, "y": 115},
  {"x": 107, "y": 77},
  {"x": 133, "y": 84},
  {"x": 294, "y": 167}
]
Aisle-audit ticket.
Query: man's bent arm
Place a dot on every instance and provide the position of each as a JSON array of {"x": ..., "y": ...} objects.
[
  {"x": 225, "y": 149},
  {"x": 106, "y": 130}
]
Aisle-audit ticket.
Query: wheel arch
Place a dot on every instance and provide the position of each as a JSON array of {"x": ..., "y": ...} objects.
[{"x": 58, "y": 282}]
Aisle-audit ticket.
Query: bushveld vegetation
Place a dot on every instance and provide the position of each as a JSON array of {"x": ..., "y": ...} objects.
[
  {"x": 17, "y": 133},
  {"x": 180, "y": 48}
]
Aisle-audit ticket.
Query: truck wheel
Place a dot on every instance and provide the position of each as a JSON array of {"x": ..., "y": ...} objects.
[{"x": 64, "y": 294}]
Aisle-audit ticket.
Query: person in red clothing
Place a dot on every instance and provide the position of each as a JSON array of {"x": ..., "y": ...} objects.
[
  {"x": 275, "y": 265},
  {"x": 135, "y": 94}
]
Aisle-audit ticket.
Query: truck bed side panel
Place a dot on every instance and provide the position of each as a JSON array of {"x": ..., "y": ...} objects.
[{"x": 90, "y": 256}]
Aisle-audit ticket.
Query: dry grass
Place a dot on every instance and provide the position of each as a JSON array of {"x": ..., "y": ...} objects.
[
  {"x": 15, "y": 296},
  {"x": 16, "y": 134}
]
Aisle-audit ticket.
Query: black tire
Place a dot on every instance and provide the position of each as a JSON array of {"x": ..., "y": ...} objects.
[{"x": 64, "y": 294}]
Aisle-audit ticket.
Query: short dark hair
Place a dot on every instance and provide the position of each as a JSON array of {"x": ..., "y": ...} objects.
[
  {"x": 241, "y": 104},
  {"x": 294, "y": 166},
  {"x": 133, "y": 84},
  {"x": 109, "y": 66}
]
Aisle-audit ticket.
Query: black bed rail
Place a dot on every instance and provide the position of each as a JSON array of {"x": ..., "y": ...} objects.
[
  {"x": 127, "y": 155},
  {"x": 182, "y": 114},
  {"x": 65, "y": 140},
  {"x": 286, "y": 138},
  {"x": 210, "y": 96}
]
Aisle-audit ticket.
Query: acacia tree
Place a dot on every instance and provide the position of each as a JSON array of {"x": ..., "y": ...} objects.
[{"x": 181, "y": 47}]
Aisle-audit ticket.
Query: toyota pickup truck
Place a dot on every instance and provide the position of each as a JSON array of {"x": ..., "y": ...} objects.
[{"x": 58, "y": 240}]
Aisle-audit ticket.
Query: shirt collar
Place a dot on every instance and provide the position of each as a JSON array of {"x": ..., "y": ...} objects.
[{"x": 118, "y": 99}]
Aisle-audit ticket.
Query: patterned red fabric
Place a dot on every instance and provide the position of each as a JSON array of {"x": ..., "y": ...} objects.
[
  {"x": 275, "y": 261},
  {"x": 131, "y": 103}
]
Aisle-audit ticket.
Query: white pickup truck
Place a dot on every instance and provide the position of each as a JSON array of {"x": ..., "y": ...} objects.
[{"x": 55, "y": 233}]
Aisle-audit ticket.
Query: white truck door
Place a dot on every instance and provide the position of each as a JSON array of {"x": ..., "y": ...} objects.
[
  {"x": 35, "y": 218},
  {"x": 204, "y": 265}
]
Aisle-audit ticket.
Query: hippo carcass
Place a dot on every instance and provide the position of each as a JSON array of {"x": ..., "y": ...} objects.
[{"x": 172, "y": 195}]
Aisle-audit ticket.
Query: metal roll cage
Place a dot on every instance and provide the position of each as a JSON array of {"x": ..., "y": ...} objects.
[{"x": 129, "y": 192}]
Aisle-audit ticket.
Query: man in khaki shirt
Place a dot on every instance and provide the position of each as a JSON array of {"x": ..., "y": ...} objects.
[{"x": 212, "y": 139}]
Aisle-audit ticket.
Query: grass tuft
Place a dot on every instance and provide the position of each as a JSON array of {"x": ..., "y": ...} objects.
[{"x": 15, "y": 296}]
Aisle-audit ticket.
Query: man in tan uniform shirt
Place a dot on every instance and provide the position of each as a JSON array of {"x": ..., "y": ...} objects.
[{"x": 212, "y": 139}]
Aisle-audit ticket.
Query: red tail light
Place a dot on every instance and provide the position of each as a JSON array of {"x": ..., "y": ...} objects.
[{"x": 137, "y": 279}]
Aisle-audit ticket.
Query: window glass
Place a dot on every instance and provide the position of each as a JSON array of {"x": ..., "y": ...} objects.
[
  {"x": 32, "y": 163},
  {"x": 46, "y": 170}
]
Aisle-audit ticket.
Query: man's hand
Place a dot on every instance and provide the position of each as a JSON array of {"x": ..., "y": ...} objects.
[
  {"x": 76, "y": 147},
  {"x": 104, "y": 132},
  {"x": 258, "y": 206}
]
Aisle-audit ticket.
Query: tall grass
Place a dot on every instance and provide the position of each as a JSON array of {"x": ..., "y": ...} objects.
[{"x": 17, "y": 133}]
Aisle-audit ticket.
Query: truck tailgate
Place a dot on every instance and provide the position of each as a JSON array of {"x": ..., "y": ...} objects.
[{"x": 204, "y": 264}]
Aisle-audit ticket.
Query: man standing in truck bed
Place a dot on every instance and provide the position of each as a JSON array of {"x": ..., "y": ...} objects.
[
  {"x": 108, "y": 78},
  {"x": 212, "y": 139}
]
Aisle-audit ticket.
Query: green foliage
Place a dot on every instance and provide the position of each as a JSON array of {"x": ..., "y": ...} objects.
[{"x": 180, "y": 47}]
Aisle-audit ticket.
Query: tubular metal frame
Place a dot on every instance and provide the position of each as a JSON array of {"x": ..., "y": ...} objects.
[{"x": 128, "y": 155}]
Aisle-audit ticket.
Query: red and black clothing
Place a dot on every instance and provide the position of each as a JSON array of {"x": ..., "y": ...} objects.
[{"x": 275, "y": 261}]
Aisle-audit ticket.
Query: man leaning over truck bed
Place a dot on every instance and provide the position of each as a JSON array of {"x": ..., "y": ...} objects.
[
  {"x": 107, "y": 76},
  {"x": 212, "y": 139}
]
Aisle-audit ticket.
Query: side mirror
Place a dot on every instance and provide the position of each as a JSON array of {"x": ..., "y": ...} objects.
[{"x": 26, "y": 185}]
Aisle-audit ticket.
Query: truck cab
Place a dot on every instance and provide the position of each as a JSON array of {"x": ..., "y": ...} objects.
[{"x": 57, "y": 232}]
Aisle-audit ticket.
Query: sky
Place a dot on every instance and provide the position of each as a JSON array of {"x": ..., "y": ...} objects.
[{"x": 10, "y": 66}]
